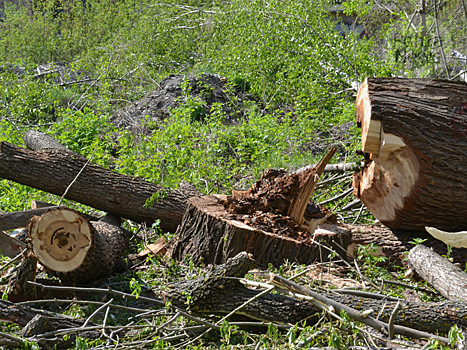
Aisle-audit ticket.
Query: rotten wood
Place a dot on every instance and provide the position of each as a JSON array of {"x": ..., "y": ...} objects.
[
  {"x": 414, "y": 134},
  {"x": 439, "y": 272},
  {"x": 52, "y": 170},
  {"x": 74, "y": 249},
  {"x": 209, "y": 234}
]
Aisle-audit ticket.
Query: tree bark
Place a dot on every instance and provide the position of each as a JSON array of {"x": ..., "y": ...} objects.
[
  {"x": 414, "y": 132},
  {"x": 209, "y": 236},
  {"x": 220, "y": 292},
  {"x": 52, "y": 170},
  {"x": 445, "y": 277},
  {"x": 74, "y": 249},
  {"x": 18, "y": 219},
  {"x": 395, "y": 244}
]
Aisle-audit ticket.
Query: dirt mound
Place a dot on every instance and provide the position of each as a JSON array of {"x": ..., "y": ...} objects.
[{"x": 206, "y": 89}]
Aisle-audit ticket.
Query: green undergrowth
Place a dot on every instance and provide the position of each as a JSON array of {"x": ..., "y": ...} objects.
[{"x": 301, "y": 72}]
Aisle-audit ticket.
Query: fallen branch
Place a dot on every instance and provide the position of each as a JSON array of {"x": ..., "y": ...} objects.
[{"x": 439, "y": 272}]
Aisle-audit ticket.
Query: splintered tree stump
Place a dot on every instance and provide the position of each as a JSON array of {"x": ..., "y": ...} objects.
[
  {"x": 75, "y": 249},
  {"x": 414, "y": 135},
  {"x": 208, "y": 235}
]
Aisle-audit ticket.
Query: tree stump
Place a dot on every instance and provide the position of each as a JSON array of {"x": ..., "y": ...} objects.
[
  {"x": 209, "y": 235},
  {"x": 74, "y": 249},
  {"x": 414, "y": 134}
]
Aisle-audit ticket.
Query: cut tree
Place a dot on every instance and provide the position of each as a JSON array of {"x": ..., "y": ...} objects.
[{"x": 414, "y": 133}]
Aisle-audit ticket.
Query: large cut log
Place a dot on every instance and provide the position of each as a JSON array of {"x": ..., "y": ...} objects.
[
  {"x": 74, "y": 249},
  {"x": 414, "y": 132},
  {"x": 208, "y": 234},
  {"x": 53, "y": 170}
]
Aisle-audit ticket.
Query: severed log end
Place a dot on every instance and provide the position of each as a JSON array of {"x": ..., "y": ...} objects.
[
  {"x": 413, "y": 136},
  {"x": 61, "y": 239},
  {"x": 75, "y": 249}
]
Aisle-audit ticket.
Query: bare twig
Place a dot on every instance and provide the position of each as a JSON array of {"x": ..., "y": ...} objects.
[{"x": 440, "y": 40}]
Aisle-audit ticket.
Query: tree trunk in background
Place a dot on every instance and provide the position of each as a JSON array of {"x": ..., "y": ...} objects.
[
  {"x": 415, "y": 134},
  {"x": 52, "y": 170}
]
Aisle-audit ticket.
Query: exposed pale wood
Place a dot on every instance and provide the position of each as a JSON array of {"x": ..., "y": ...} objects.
[
  {"x": 445, "y": 277},
  {"x": 53, "y": 170},
  {"x": 207, "y": 235},
  {"x": 299, "y": 203},
  {"x": 75, "y": 249},
  {"x": 454, "y": 239},
  {"x": 414, "y": 131}
]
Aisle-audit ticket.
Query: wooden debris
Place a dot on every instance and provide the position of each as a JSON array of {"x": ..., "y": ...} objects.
[
  {"x": 10, "y": 246},
  {"x": 440, "y": 273},
  {"x": 414, "y": 137}
]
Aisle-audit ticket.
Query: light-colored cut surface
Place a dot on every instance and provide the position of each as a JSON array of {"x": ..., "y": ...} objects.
[{"x": 61, "y": 239}]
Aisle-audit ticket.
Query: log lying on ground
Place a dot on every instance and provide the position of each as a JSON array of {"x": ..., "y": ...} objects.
[
  {"x": 36, "y": 322},
  {"x": 53, "y": 170},
  {"x": 414, "y": 131},
  {"x": 445, "y": 277},
  {"x": 74, "y": 249},
  {"x": 18, "y": 219},
  {"x": 219, "y": 291}
]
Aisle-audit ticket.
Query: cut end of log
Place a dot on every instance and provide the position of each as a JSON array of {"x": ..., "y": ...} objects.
[{"x": 61, "y": 239}]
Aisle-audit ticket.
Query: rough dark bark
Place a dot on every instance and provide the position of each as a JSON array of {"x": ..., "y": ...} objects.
[
  {"x": 220, "y": 292},
  {"x": 395, "y": 244},
  {"x": 207, "y": 235},
  {"x": 36, "y": 322},
  {"x": 53, "y": 170},
  {"x": 414, "y": 131},
  {"x": 445, "y": 277},
  {"x": 17, "y": 219},
  {"x": 74, "y": 249}
]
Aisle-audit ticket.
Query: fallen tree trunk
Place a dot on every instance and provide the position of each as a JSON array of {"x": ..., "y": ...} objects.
[
  {"x": 53, "y": 170},
  {"x": 439, "y": 272},
  {"x": 74, "y": 249},
  {"x": 220, "y": 292},
  {"x": 18, "y": 219},
  {"x": 414, "y": 133}
]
